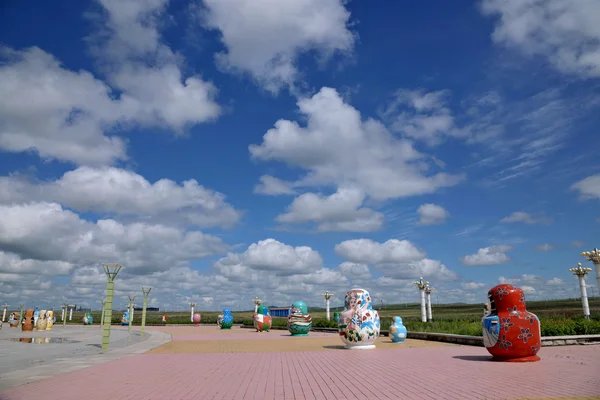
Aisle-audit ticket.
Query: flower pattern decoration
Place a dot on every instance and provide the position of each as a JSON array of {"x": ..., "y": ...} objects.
[
  {"x": 513, "y": 311},
  {"x": 503, "y": 343},
  {"x": 522, "y": 299},
  {"x": 525, "y": 334},
  {"x": 506, "y": 324},
  {"x": 501, "y": 292}
]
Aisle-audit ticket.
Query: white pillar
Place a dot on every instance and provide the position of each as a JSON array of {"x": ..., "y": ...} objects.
[
  {"x": 70, "y": 313},
  {"x": 131, "y": 313},
  {"x": 192, "y": 314},
  {"x": 64, "y": 311},
  {"x": 255, "y": 307},
  {"x": 584, "y": 298},
  {"x": 327, "y": 309},
  {"x": 4, "y": 314},
  {"x": 429, "y": 317},
  {"x": 597, "y": 268},
  {"x": 423, "y": 314}
]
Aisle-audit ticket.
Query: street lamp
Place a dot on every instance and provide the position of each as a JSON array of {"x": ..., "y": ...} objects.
[
  {"x": 192, "y": 305},
  {"x": 5, "y": 306},
  {"x": 257, "y": 302},
  {"x": 327, "y": 296},
  {"x": 580, "y": 272},
  {"x": 594, "y": 256},
  {"x": 422, "y": 285},
  {"x": 111, "y": 271},
  {"x": 146, "y": 292},
  {"x": 131, "y": 299},
  {"x": 428, "y": 291},
  {"x": 21, "y": 313},
  {"x": 71, "y": 307},
  {"x": 103, "y": 302}
]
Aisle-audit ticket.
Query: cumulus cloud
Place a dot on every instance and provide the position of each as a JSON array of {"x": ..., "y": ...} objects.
[
  {"x": 520, "y": 216},
  {"x": 264, "y": 38},
  {"x": 565, "y": 32},
  {"x": 544, "y": 247},
  {"x": 341, "y": 211},
  {"x": 589, "y": 188},
  {"x": 126, "y": 193},
  {"x": 389, "y": 167},
  {"x": 61, "y": 114},
  {"x": 432, "y": 214},
  {"x": 355, "y": 270},
  {"x": 472, "y": 285},
  {"x": 269, "y": 185},
  {"x": 47, "y": 232},
  {"x": 493, "y": 255}
]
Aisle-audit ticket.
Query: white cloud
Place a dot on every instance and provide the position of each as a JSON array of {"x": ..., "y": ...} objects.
[
  {"x": 264, "y": 38},
  {"x": 544, "y": 247},
  {"x": 355, "y": 270},
  {"x": 566, "y": 32},
  {"x": 432, "y": 214},
  {"x": 555, "y": 282},
  {"x": 47, "y": 232},
  {"x": 13, "y": 264},
  {"x": 340, "y": 211},
  {"x": 473, "y": 285},
  {"x": 271, "y": 255},
  {"x": 269, "y": 185},
  {"x": 61, "y": 114},
  {"x": 528, "y": 289},
  {"x": 388, "y": 167},
  {"x": 126, "y": 193},
  {"x": 589, "y": 188},
  {"x": 398, "y": 259},
  {"x": 493, "y": 255},
  {"x": 520, "y": 216}
]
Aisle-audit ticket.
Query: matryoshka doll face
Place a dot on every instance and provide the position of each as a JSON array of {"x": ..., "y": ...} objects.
[
  {"x": 351, "y": 301},
  {"x": 504, "y": 296}
]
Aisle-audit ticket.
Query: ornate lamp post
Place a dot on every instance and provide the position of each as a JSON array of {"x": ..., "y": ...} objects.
[
  {"x": 103, "y": 302},
  {"x": 63, "y": 313},
  {"x": 581, "y": 272},
  {"x": 131, "y": 299},
  {"x": 257, "y": 302},
  {"x": 192, "y": 305},
  {"x": 428, "y": 291},
  {"x": 594, "y": 256},
  {"x": 111, "y": 271},
  {"x": 327, "y": 296},
  {"x": 71, "y": 307},
  {"x": 146, "y": 292},
  {"x": 422, "y": 285},
  {"x": 5, "y": 306}
]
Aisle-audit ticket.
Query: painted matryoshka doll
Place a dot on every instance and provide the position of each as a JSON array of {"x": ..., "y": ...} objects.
[
  {"x": 36, "y": 316},
  {"x": 197, "y": 318},
  {"x": 49, "y": 320},
  {"x": 42, "y": 321},
  {"x": 28, "y": 321},
  {"x": 90, "y": 319},
  {"x": 227, "y": 321},
  {"x": 359, "y": 323},
  {"x": 510, "y": 332},
  {"x": 262, "y": 319},
  {"x": 397, "y": 330},
  {"x": 299, "y": 321},
  {"x": 336, "y": 317},
  {"x": 125, "y": 318},
  {"x": 13, "y": 320},
  {"x": 220, "y": 320}
]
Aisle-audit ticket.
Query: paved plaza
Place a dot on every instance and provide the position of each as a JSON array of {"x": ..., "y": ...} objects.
[{"x": 207, "y": 363}]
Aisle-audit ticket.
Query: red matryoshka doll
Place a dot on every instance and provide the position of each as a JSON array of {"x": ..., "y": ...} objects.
[{"x": 510, "y": 332}]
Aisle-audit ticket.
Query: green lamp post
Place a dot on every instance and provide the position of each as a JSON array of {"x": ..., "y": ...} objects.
[
  {"x": 131, "y": 299},
  {"x": 21, "y": 313},
  {"x": 146, "y": 292},
  {"x": 111, "y": 271}
]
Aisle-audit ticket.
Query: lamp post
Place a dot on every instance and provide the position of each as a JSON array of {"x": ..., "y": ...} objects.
[
  {"x": 327, "y": 296},
  {"x": 64, "y": 311},
  {"x": 5, "y": 306},
  {"x": 428, "y": 291},
  {"x": 103, "y": 302},
  {"x": 21, "y": 313},
  {"x": 71, "y": 307},
  {"x": 580, "y": 272},
  {"x": 422, "y": 285},
  {"x": 111, "y": 271},
  {"x": 192, "y": 305},
  {"x": 146, "y": 292},
  {"x": 594, "y": 256},
  {"x": 257, "y": 302},
  {"x": 131, "y": 299}
]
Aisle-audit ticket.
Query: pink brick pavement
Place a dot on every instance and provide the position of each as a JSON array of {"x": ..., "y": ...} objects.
[{"x": 453, "y": 372}]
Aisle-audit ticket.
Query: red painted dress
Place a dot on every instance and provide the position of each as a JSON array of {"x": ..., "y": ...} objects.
[{"x": 510, "y": 332}]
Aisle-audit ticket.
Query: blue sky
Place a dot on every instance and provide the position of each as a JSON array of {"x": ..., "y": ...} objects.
[{"x": 225, "y": 149}]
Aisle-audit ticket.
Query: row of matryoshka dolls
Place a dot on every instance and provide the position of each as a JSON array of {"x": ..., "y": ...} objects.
[{"x": 34, "y": 319}]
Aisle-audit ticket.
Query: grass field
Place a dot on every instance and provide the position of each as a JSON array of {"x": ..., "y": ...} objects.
[{"x": 558, "y": 317}]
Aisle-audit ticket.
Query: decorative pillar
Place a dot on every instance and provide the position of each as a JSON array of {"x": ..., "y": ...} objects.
[
  {"x": 581, "y": 272},
  {"x": 257, "y": 302},
  {"x": 21, "y": 313},
  {"x": 111, "y": 271},
  {"x": 65, "y": 307},
  {"x": 146, "y": 292},
  {"x": 192, "y": 305},
  {"x": 64, "y": 311},
  {"x": 327, "y": 296},
  {"x": 594, "y": 256},
  {"x": 422, "y": 285},
  {"x": 428, "y": 291},
  {"x": 71, "y": 307},
  {"x": 103, "y": 302},
  {"x": 5, "y": 306},
  {"x": 131, "y": 299}
]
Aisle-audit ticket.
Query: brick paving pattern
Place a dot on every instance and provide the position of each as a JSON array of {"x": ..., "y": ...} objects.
[{"x": 203, "y": 363}]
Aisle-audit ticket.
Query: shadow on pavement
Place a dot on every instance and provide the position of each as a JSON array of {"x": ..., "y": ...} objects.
[{"x": 473, "y": 358}]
